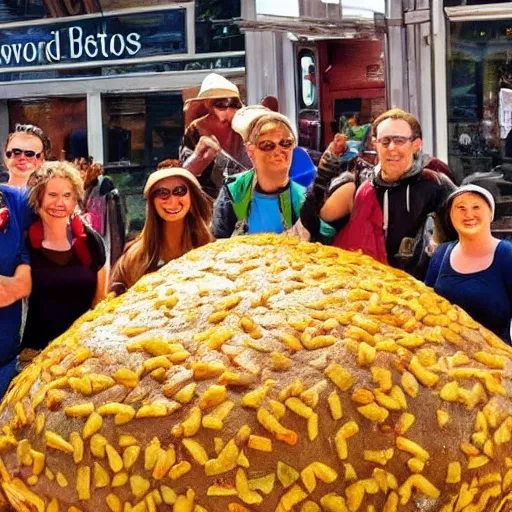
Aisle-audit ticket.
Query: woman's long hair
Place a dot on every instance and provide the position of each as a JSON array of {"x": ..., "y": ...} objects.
[{"x": 143, "y": 254}]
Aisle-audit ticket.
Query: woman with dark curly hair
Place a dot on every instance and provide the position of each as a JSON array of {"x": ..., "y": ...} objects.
[
  {"x": 178, "y": 217},
  {"x": 25, "y": 152}
]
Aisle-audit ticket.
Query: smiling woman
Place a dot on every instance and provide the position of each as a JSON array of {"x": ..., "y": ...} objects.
[
  {"x": 474, "y": 271},
  {"x": 178, "y": 216},
  {"x": 67, "y": 257}
]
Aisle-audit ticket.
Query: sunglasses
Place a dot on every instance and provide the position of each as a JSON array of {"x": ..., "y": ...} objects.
[
  {"x": 268, "y": 145},
  {"x": 225, "y": 104},
  {"x": 164, "y": 193},
  {"x": 18, "y": 152},
  {"x": 397, "y": 140}
]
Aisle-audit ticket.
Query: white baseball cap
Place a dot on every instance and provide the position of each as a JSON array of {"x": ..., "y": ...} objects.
[{"x": 473, "y": 189}]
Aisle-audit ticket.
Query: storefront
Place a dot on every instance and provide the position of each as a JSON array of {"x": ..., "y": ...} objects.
[
  {"x": 479, "y": 86},
  {"x": 108, "y": 82}
]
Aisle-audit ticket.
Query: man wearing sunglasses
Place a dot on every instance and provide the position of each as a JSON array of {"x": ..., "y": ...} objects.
[
  {"x": 264, "y": 199},
  {"x": 211, "y": 149},
  {"x": 394, "y": 214},
  {"x": 24, "y": 153}
]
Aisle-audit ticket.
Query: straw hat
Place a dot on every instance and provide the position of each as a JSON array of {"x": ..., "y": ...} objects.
[
  {"x": 169, "y": 172},
  {"x": 246, "y": 120},
  {"x": 215, "y": 86}
]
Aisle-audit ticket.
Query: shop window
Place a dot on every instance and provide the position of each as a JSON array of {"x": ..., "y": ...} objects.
[
  {"x": 215, "y": 28},
  {"x": 138, "y": 132},
  {"x": 307, "y": 79},
  {"x": 63, "y": 119},
  {"x": 479, "y": 105}
]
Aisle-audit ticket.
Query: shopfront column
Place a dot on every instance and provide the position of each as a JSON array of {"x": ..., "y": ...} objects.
[{"x": 94, "y": 126}]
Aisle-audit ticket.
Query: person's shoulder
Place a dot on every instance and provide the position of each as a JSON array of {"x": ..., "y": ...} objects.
[
  {"x": 441, "y": 251},
  {"x": 505, "y": 250}
]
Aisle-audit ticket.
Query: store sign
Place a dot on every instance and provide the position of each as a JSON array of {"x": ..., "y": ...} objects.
[{"x": 94, "y": 39}]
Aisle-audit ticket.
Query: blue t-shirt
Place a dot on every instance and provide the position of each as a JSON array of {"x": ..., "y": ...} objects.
[
  {"x": 486, "y": 295},
  {"x": 13, "y": 252},
  {"x": 265, "y": 214}
]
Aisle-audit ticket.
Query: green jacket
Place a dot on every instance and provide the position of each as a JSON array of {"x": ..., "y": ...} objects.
[{"x": 232, "y": 207}]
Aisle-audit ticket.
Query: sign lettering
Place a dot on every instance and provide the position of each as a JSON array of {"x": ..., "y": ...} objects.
[{"x": 96, "y": 39}]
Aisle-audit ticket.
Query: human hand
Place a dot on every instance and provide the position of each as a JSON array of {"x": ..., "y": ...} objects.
[
  {"x": 339, "y": 145},
  {"x": 207, "y": 148}
]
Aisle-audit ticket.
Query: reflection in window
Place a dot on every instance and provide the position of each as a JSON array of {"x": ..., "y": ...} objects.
[
  {"x": 139, "y": 131},
  {"x": 215, "y": 30},
  {"x": 63, "y": 119},
  {"x": 479, "y": 69},
  {"x": 307, "y": 80}
]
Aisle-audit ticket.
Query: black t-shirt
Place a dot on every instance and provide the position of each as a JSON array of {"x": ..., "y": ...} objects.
[{"x": 63, "y": 289}]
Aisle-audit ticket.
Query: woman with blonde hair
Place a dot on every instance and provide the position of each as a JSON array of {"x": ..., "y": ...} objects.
[
  {"x": 178, "y": 216},
  {"x": 67, "y": 257}
]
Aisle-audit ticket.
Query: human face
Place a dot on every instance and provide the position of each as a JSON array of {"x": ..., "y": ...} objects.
[
  {"x": 470, "y": 215},
  {"x": 22, "y": 166},
  {"x": 59, "y": 201},
  {"x": 272, "y": 153},
  {"x": 224, "y": 109},
  {"x": 395, "y": 159},
  {"x": 170, "y": 204}
]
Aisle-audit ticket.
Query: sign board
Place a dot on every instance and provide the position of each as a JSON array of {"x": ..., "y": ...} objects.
[{"x": 94, "y": 39}]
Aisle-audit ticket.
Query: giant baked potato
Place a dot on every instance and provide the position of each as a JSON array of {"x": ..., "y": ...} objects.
[{"x": 264, "y": 374}]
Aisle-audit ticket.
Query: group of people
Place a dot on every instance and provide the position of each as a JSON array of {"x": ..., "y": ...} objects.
[{"x": 236, "y": 175}]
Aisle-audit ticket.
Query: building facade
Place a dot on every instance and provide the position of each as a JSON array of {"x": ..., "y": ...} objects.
[
  {"x": 450, "y": 63},
  {"x": 107, "y": 78}
]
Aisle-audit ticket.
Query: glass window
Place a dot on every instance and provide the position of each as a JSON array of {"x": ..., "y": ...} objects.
[
  {"x": 63, "y": 120},
  {"x": 139, "y": 131},
  {"x": 215, "y": 29},
  {"x": 479, "y": 105},
  {"x": 307, "y": 79}
]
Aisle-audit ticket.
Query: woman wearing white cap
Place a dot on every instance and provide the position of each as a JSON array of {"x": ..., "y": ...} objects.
[
  {"x": 178, "y": 216},
  {"x": 474, "y": 272},
  {"x": 264, "y": 199}
]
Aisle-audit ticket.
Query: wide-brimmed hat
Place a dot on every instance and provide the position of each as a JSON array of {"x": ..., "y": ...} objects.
[
  {"x": 169, "y": 172},
  {"x": 247, "y": 119},
  {"x": 473, "y": 189},
  {"x": 215, "y": 86}
]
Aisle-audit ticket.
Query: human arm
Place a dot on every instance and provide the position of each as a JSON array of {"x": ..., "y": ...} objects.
[
  {"x": 196, "y": 160},
  {"x": 329, "y": 168},
  {"x": 443, "y": 232},
  {"x": 224, "y": 218},
  {"x": 339, "y": 204},
  {"x": 16, "y": 287},
  {"x": 101, "y": 286}
]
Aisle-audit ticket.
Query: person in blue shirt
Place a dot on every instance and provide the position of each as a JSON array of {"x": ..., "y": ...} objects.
[
  {"x": 474, "y": 272},
  {"x": 263, "y": 199},
  {"x": 15, "y": 279}
]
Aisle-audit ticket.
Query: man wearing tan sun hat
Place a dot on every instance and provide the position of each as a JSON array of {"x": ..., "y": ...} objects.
[{"x": 210, "y": 148}]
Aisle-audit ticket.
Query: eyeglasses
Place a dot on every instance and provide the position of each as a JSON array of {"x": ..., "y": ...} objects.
[
  {"x": 268, "y": 145},
  {"x": 225, "y": 104},
  {"x": 18, "y": 152},
  {"x": 397, "y": 140},
  {"x": 164, "y": 193}
]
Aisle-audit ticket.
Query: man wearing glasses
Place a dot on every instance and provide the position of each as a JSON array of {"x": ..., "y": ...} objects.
[
  {"x": 394, "y": 214},
  {"x": 211, "y": 149},
  {"x": 24, "y": 153}
]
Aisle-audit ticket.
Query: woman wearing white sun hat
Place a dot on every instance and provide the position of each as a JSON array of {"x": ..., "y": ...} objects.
[
  {"x": 210, "y": 148},
  {"x": 474, "y": 272},
  {"x": 178, "y": 216}
]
